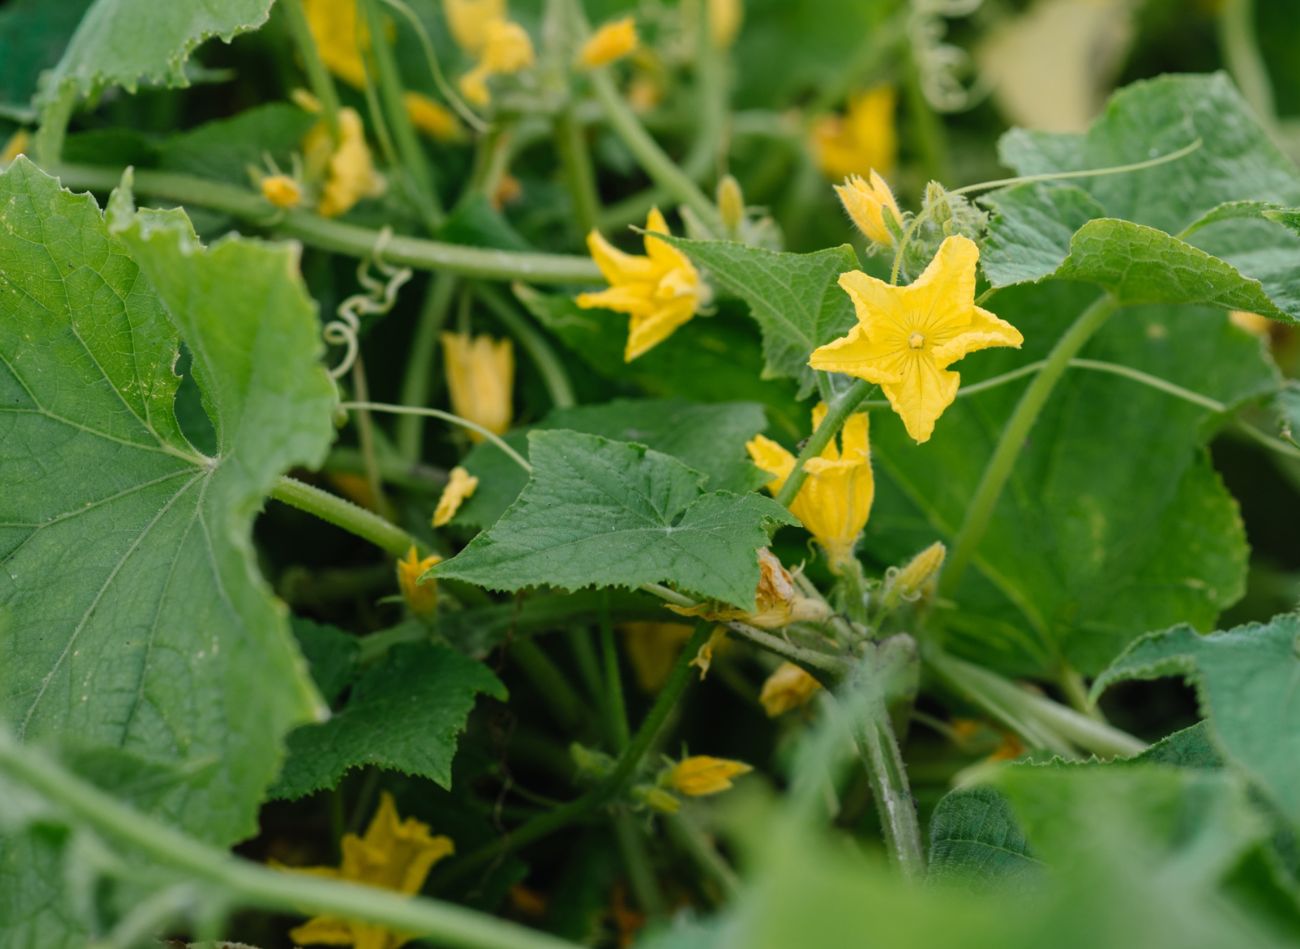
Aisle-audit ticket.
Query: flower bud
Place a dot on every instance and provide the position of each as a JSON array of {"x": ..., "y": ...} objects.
[
  {"x": 699, "y": 775},
  {"x": 787, "y": 688},
  {"x": 608, "y": 44},
  {"x": 872, "y": 207},
  {"x": 912, "y": 580},
  {"x": 731, "y": 204},
  {"x": 422, "y": 598}
]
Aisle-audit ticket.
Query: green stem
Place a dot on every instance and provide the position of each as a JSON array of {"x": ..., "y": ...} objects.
[
  {"x": 1076, "y": 692},
  {"x": 645, "y": 888},
  {"x": 836, "y": 414},
  {"x": 47, "y": 144},
  {"x": 617, "y": 706},
  {"x": 549, "y": 365},
  {"x": 589, "y": 668},
  {"x": 417, "y": 476},
  {"x": 491, "y": 436},
  {"x": 548, "y": 823},
  {"x": 831, "y": 666},
  {"x": 576, "y": 162},
  {"x": 418, "y": 381},
  {"x": 550, "y": 682},
  {"x": 1241, "y": 53},
  {"x": 887, "y": 776},
  {"x": 318, "y": 77},
  {"x": 415, "y": 164},
  {"x": 930, "y": 138},
  {"x": 328, "y": 234},
  {"x": 998, "y": 469},
  {"x": 693, "y": 840},
  {"x": 342, "y": 513},
  {"x": 656, "y": 163},
  {"x": 253, "y": 885},
  {"x": 366, "y": 441}
]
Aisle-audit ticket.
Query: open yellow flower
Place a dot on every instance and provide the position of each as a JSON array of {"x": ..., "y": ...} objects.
[
  {"x": 461, "y": 486},
  {"x": 907, "y": 337},
  {"x": 835, "y": 499},
  {"x": 422, "y": 598},
  {"x": 469, "y": 19},
  {"x": 659, "y": 291},
  {"x": 868, "y": 203},
  {"x": 786, "y": 688},
  {"x": 394, "y": 854},
  {"x": 862, "y": 139},
  {"x": 281, "y": 190},
  {"x": 608, "y": 44},
  {"x": 507, "y": 49},
  {"x": 480, "y": 379},
  {"x": 348, "y": 168},
  {"x": 699, "y": 775}
]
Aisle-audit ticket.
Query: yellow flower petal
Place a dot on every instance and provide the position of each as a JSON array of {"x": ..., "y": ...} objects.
[
  {"x": 350, "y": 172},
  {"x": 430, "y": 117},
  {"x": 334, "y": 27},
  {"x": 906, "y": 337},
  {"x": 725, "y": 17},
  {"x": 460, "y": 487},
  {"x": 422, "y": 598},
  {"x": 507, "y": 48},
  {"x": 787, "y": 688},
  {"x": 469, "y": 19},
  {"x": 17, "y": 145},
  {"x": 699, "y": 775},
  {"x": 864, "y": 138},
  {"x": 480, "y": 380},
  {"x": 869, "y": 205},
  {"x": 282, "y": 191},
  {"x": 608, "y": 44}
]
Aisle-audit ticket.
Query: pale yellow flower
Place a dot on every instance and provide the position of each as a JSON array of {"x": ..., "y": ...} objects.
[
  {"x": 469, "y": 19},
  {"x": 725, "y": 17},
  {"x": 835, "y": 500},
  {"x": 915, "y": 576},
  {"x": 868, "y": 204},
  {"x": 432, "y": 118},
  {"x": 480, "y": 379},
  {"x": 282, "y": 191},
  {"x": 394, "y": 854},
  {"x": 422, "y": 598},
  {"x": 348, "y": 168},
  {"x": 786, "y": 688},
  {"x": 777, "y": 601},
  {"x": 652, "y": 649},
  {"x": 699, "y": 775},
  {"x": 907, "y": 337},
  {"x": 18, "y": 144},
  {"x": 659, "y": 291},
  {"x": 860, "y": 140},
  {"x": 461, "y": 486},
  {"x": 608, "y": 44},
  {"x": 507, "y": 49}
]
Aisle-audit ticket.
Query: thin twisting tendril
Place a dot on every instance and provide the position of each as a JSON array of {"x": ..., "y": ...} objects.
[
  {"x": 472, "y": 118},
  {"x": 379, "y": 297}
]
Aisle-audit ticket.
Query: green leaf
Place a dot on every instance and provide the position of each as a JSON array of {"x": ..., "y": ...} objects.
[
  {"x": 795, "y": 298},
  {"x": 604, "y": 513},
  {"x": 129, "y": 42},
  {"x": 225, "y": 150},
  {"x": 1113, "y": 522},
  {"x": 1288, "y": 412},
  {"x": 709, "y": 438},
  {"x": 131, "y": 611},
  {"x": 1248, "y": 684},
  {"x": 33, "y": 34},
  {"x": 331, "y": 655},
  {"x": 975, "y": 837},
  {"x": 405, "y": 714}
]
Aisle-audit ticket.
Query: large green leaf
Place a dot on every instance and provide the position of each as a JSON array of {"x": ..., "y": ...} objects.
[
  {"x": 604, "y": 513},
  {"x": 1113, "y": 522},
  {"x": 795, "y": 298},
  {"x": 1239, "y": 246},
  {"x": 129, "y": 42},
  {"x": 405, "y": 714},
  {"x": 709, "y": 438},
  {"x": 974, "y": 836},
  {"x": 1248, "y": 684},
  {"x": 131, "y": 611},
  {"x": 33, "y": 34}
]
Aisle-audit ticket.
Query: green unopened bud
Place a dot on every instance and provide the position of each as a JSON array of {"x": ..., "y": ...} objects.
[
  {"x": 592, "y": 765},
  {"x": 731, "y": 204},
  {"x": 657, "y": 799},
  {"x": 914, "y": 578}
]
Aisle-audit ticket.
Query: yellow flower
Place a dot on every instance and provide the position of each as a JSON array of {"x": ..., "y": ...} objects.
[
  {"x": 282, "y": 191},
  {"x": 1242, "y": 319},
  {"x": 422, "y": 598},
  {"x": 786, "y": 688},
  {"x": 469, "y": 19},
  {"x": 460, "y": 488},
  {"x": 699, "y": 775},
  {"x": 652, "y": 649},
  {"x": 349, "y": 171},
  {"x": 659, "y": 291},
  {"x": 862, "y": 139},
  {"x": 907, "y": 337},
  {"x": 480, "y": 378},
  {"x": 724, "y": 21},
  {"x": 334, "y": 27},
  {"x": 394, "y": 854},
  {"x": 868, "y": 204},
  {"x": 506, "y": 49},
  {"x": 835, "y": 500},
  {"x": 914, "y": 577},
  {"x": 777, "y": 600},
  {"x": 430, "y": 117},
  {"x": 17, "y": 145},
  {"x": 611, "y": 42}
]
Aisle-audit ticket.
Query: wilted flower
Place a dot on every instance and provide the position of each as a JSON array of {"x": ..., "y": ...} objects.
[
  {"x": 460, "y": 487},
  {"x": 777, "y": 600}
]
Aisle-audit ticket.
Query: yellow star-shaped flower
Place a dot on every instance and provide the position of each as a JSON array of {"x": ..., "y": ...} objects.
[
  {"x": 907, "y": 337},
  {"x": 659, "y": 291}
]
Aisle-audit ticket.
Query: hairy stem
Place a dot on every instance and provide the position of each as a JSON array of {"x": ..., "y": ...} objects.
[
  {"x": 417, "y": 383},
  {"x": 837, "y": 413},
  {"x": 342, "y": 513}
]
